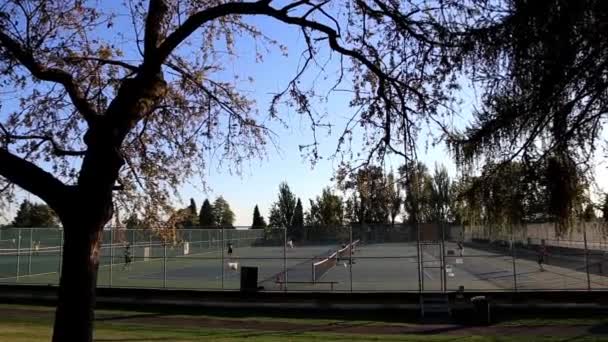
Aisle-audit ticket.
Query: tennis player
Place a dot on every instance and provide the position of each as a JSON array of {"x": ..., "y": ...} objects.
[
  {"x": 229, "y": 248},
  {"x": 127, "y": 255}
]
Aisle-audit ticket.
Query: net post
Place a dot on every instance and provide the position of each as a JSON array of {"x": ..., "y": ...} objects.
[
  {"x": 18, "y": 252},
  {"x": 586, "y": 256},
  {"x": 285, "y": 280},
  {"x": 29, "y": 261}
]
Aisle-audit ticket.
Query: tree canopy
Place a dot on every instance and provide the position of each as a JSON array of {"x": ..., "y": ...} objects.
[
  {"x": 207, "y": 217},
  {"x": 34, "y": 215},
  {"x": 222, "y": 213},
  {"x": 258, "y": 220},
  {"x": 326, "y": 210}
]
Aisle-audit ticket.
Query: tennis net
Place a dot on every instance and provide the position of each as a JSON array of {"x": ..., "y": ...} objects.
[
  {"x": 321, "y": 267},
  {"x": 347, "y": 251}
]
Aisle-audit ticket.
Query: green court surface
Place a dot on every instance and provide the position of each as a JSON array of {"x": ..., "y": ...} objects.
[{"x": 374, "y": 267}]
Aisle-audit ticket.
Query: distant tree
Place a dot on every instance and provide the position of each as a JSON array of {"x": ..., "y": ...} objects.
[
  {"x": 283, "y": 209},
  {"x": 440, "y": 195},
  {"x": 605, "y": 208},
  {"x": 369, "y": 201},
  {"x": 191, "y": 217},
  {"x": 326, "y": 210},
  {"x": 35, "y": 216},
  {"x": 223, "y": 213},
  {"x": 417, "y": 183},
  {"x": 394, "y": 198},
  {"x": 298, "y": 215},
  {"x": 133, "y": 222},
  {"x": 589, "y": 213},
  {"x": 206, "y": 218},
  {"x": 258, "y": 220}
]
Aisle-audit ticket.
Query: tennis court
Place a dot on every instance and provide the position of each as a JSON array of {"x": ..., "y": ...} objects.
[{"x": 198, "y": 259}]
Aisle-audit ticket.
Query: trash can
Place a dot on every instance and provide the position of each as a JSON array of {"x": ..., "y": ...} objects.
[
  {"x": 249, "y": 279},
  {"x": 482, "y": 310}
]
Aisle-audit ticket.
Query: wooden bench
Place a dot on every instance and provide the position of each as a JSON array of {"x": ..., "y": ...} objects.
[{"x": 330, "y": 283}]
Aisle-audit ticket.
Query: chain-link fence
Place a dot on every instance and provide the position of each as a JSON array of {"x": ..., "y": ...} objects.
[{"x": 362, "y": 258}]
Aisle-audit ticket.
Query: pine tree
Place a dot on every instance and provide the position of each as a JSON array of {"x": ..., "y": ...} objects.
[
  {"x": 206, "y": 217},
  {"x": 258, "y": 220},
  {"x": 298, "y": 216}
]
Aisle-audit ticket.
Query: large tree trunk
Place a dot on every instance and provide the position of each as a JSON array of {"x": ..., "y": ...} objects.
[{"x": 75, "y": 309}]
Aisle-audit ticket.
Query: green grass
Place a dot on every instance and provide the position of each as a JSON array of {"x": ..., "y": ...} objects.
[
  {"x": 31, "y": 323},
  {"x": 40, "y": 330}
]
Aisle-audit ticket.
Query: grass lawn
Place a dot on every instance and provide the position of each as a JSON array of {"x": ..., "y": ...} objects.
[{"x": 31, "y": 323}]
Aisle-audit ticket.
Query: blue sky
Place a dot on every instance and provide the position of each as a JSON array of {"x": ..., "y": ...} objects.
[{"x": 259, "y": 181}]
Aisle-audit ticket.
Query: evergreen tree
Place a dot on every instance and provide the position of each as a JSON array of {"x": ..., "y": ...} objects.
[
  {"x": 258, "y": 220},
  {"x": 206, "y": 218},
  {"x": 35, "y": 216},
  {"x": 223, "y": 213},
  {"x": 297, "y": 222}
]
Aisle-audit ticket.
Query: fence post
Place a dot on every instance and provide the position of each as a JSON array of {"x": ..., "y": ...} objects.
[
  {"x": 29, "y": 261},
  {"x": 444, "y": 283},
  {"x": 586, "y": 256},
  {"x": 350, "y": 258},
  {"x": 419, "y": 256},
  {"x": 164, "y": 264},
  {"x": 222, "y": 243},
  {"x": 513, "y": 260},
  {"x": 60, "y": 250},
  {"x": 111, "y": 254},
  {"x": 285, "y": 259},
  {"x": 18, "y": 252}
]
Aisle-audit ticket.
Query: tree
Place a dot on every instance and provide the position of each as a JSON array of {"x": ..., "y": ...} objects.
[
  {"x": 133, "y": 222},
  {"x": 440, "y": 195},
  {"x": 605, "y": 209},
  {"x": 284, "y": 208},
  {"x": 589, "y": 213},
  {"x": 34, "y": 215},
  {"x": 258, "y": 220},
  {"x": 185, "y": 217},
  {"x": 191, "y": 215},
  {"x": 223, "y": 213},
  {"x": 124, "y": 119},
  {"x": 206, "y": 218},
  {"x": 370, "y": 194},
  {"x": 394, "y": 198},
  {"x": 546, "y": 108},
  {"x": 417, "y": 184},
  {"x": 297, "y": 220},
  {"x": 326, "y": 210}
]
